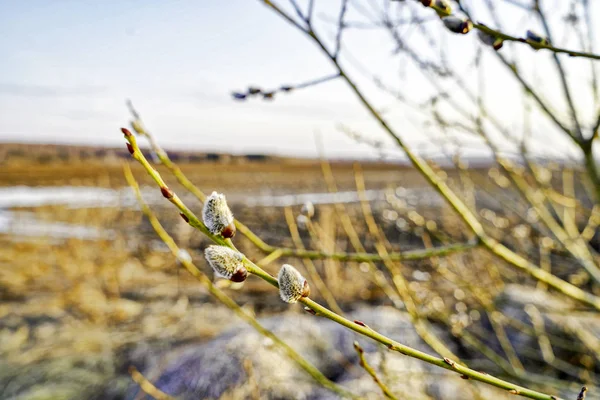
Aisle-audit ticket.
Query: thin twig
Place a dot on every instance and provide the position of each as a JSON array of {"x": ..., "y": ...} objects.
[
  {"x": 341, "y": 26},
  {"x": 147, "y": 386},
  {"x": 363, "y": 363},
  {"x": 444, "y": 190}
]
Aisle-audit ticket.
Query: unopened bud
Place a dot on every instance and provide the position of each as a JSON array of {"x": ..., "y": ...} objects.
[
  {"x": 302, "y": 221},
  {"x": 136, "y": 124},
  {"x": 457, "y": 25},
  {"x": 217, "y": 216},
  {"x": 292, "y": 285},
  {"x": 226, "y": 262},
  {"x": 126, "y": 132},
  {"x": 490, "y": 40},
  {"x": 130, "y": 148},
  {"x": 238, "y": 96},
  {"x": 254, "y": 90},
  {"x": 308, "y": 209},
  {"x": 443, "y": 7},
  {"x": 535, "y": 38},
  {"x": 166, "y": 192}
]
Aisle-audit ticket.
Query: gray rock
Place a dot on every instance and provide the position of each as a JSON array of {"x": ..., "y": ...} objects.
[{"x": 215, "y": 369}]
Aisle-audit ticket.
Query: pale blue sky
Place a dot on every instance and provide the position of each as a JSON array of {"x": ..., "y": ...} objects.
[{"x": 67, "y": 67}]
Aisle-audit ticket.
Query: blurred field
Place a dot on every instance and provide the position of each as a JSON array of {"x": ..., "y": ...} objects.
[
  {"x": 88, "y": 290},
  {"x": 74, "y": 309}
]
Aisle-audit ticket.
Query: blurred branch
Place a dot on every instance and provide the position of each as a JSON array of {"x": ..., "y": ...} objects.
[
  {"x": 147, "y": 386},
  {"x": 444, "y": 190},
  {"x": 561, "y": 70},
  {"x": 270, "y": 94},
  {"x": 444, "y": 12},
  {"x": 340, "y": 30},
  {"x": 421, "y": 325},
  {"x": 355, "y": 240},
  {"x": 363, "y": 363}
]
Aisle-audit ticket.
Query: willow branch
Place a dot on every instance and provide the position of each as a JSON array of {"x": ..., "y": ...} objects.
[
  {"x": 511, "y": 38},
  {"x": 226, "y": 300}
]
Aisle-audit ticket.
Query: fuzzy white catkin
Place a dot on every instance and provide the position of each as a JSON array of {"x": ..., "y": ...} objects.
[
  {"x": 224, "y": 261},
  {"x": 216, "y": 214},
  {"x": 292, "y": 285}
]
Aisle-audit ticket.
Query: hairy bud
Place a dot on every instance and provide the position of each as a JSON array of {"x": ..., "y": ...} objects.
[
  {"x": 457, "y": 25},
  {"x": 226, "y": 263},
  {"x": 292, "y": 285},
  {"x": 217, "y": 216}
]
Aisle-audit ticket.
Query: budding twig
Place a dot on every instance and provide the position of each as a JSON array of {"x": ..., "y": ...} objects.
[
  {"x": 534, "y": 40},
  {"x": 226, "y": 300},
  {"x": 254, "y": 91},
  {"x": 275, "y": 250}
]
